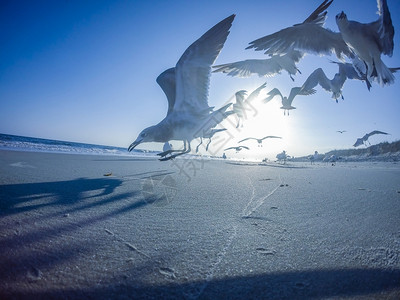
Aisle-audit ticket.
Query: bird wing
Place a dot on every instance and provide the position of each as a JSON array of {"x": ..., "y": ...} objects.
[
  {"x": 254, "y": 94},
  {"x": 245, "y": 68},
  {"x": 194, "y": 68},
  {"x": 299, "y": 91},
  {"x": 314, "y": 79},
  {"x": 318, "y": 16},
  {"x": 271, "y": 137},
  {"x": 230, "y": 148},
  {"x": 272, "y": 93},
  {"x": 249, "y": 138},
  {"x": 386, "y": 29},
  {"x": 307, "y": 37},
  {"x": 166, "y": 81},
  {"x": 358, "y": 142},
  {"x": 245, "y": 147},
  {"x": 262, "y": 67},
  {"x": 372, "y": 133}
]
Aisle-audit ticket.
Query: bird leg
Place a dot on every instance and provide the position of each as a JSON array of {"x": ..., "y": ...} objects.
[
  {"x": 180, "y": 152},
  {"x": 201, "y": 142},
  {"x": 208, "y": 144}
]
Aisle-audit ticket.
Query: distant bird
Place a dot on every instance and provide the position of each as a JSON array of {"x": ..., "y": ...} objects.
[
  {"x": 334, "y": 85},
  {"x": 259, "y": 141},
  {"x": 238, "y": 148},
  {"x": 186, "y": 87},
  {"x": 167, "y": 147},
  {"x": 208, "y": 135},
  {"x": 364, "y": 139},
  {"x": 341, "y": 131},
  {"x": 283, "y": 156},
  {"x": 263, "y": 67},
  {"x": 287, "y": 101},
  {"x": 243, "y": 105},
  {"x": 364, "y": 43},
  {"x": 313, "y": 157}
]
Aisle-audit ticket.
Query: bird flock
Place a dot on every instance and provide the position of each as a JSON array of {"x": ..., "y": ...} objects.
[{"x": 358, "y": 47}]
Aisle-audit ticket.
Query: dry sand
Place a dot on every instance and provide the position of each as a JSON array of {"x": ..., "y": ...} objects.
[{"x": 193, "y": 229}]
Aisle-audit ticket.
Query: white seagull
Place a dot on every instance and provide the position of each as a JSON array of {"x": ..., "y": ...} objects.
[
  {"x": 287, "y": 101},
  {"x": 238, "y": 148},
  {"x": 334, "y": 85},
  {"x": 259, "y": 141},
  {"x": 365, "y": 138},
  {"x": 243, "y": 105},
  {"x": 362, "y": 42},
  {"x": 186, "y": 87}
]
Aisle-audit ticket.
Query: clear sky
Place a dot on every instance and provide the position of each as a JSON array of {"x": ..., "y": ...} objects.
[{"x": 85, "y": 71}]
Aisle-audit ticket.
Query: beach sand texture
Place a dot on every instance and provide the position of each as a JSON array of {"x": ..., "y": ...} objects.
[{"x": 115, "y": 227}]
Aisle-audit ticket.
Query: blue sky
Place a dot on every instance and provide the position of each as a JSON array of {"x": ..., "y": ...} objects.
[{"x": 85, "y": 71}]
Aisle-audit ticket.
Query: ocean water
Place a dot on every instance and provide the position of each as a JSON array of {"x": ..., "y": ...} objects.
[{"x": 14, "y": 142}]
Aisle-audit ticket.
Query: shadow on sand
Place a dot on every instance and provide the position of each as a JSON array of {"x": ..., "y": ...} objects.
[{"x": 315, "y": 284}]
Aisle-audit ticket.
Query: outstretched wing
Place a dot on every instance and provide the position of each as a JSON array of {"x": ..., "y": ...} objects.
[
  {"x": 262, "y": 67},
  {"x": 308, "y": 36},
  {"x": 166, "y": 80},
  {"x": 366, "y": 137},
  {"x": 271, "y": 137},
  {"x": 194, "y": 68},
  {"x": 254, "y": 94},
  {"x": 386, "y": 29},
  {"x": 245, "y": 147},
  {"x": 299, "y": 91},
  {"x": 315, "y": 78},
  {"x": 246, "y": 139},
  {"x": 272, "y": 93}
]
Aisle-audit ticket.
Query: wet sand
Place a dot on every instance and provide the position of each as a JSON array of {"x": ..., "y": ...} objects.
[{"x": 113, "y": 227}]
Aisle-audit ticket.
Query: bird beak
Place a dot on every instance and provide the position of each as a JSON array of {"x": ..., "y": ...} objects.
[
  {"x": 342, "y": 15},
  {"x": 134, "y": 144}
]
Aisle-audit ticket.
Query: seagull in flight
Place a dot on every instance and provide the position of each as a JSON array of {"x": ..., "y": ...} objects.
[
  {"x": 186, "y": 88},
  {"x": 259, "y": 141},
  {"x": 363, "y": 43},
  {"x": 238, "y": 148},
  {"x": 334, "y": 85},
  {"x": 341, "y": 131},
  {"x": 243, "y": 104},
  {"x": 263, "y": 67},
  {"x": 364, "y": 139},
  {"x": 287, "y": 101}
]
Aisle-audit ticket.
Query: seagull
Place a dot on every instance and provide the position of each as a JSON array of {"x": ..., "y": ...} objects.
[
  {"x": 369, "y": 41},
  {"x": 259, "y": 141},
  {"x": 365, "y": 138},
  {"x": 287, "y": 101},
  {"x": 238, "y": 148},
  {"x": 283, "y": 156},
  {"x": 334, "y": 85},
  {"x": 244, "y": 104},
  {"x": 363, "y": 43},
  {"x": 263, "y": 67},
  {"x": 208, "y": 135},
  {"x": 341, "y": 131},
  {"x": 167, "y": 146},
  {"x": 186, "y": 88}
]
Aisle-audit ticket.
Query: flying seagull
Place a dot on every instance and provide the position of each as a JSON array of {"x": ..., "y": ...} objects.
[
  {"x": 287, "y": 101},
  {"x": 278, "y": 60},
  {"x": 243, "y": 105},
  {"x": 238, "y": 148},
  {"x": 364, "y": 139},
  {"x": 334, "y": 85},
  {"x": 263, "y": 67},
  {"x": 341, "y": 131},
  {"x": 259, "y": 141},
  {"x": 364, "y": 43},
  {"x": 186, "y": 87}
]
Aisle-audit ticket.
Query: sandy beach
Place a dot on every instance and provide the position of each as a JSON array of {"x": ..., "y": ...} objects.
[{"x": 114, "y": 227}]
